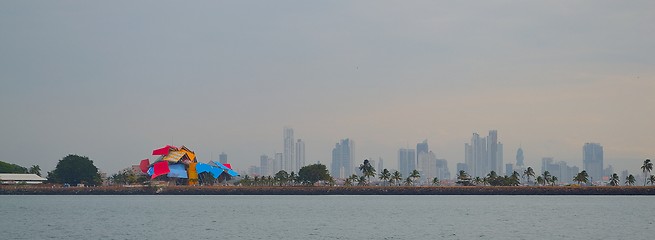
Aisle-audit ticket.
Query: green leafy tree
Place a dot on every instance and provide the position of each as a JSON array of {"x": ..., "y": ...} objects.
[
  {"x": 11, "y": 168},
  {"x": 630, "y": 180},
  {"x": 311, "y": 174},
  {"x": 385, "y": 175},
  {"x": 74, "y": 169},
  {"x": 614, "y": 180},
  {"x": 647, "y": 167},
  {"x": 367, "y": 170},
  {"x": 293, "y": 178},
  {"x": 396, "y": 177},
  {"x": 281, "y": 177}
]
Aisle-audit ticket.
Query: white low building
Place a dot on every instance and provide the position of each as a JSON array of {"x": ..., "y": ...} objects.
[{"x": 21, "y": 178}]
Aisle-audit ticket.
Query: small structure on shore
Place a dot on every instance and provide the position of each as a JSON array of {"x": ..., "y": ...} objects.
[
  {"x": 182, "y": 163},
  {"x": 21, "y": 178}
]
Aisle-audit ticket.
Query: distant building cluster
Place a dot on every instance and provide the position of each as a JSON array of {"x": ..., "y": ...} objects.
[{"x": 481, "y": 156}]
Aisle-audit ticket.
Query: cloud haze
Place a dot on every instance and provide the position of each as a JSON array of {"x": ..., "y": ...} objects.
[{"x": 113, "y": 80}]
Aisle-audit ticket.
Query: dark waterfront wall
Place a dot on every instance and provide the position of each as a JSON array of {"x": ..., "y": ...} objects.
[{"x": 299, "y": 190}]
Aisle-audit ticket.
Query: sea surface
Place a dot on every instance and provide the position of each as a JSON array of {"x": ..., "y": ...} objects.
[{"x": 327, "y": 217}]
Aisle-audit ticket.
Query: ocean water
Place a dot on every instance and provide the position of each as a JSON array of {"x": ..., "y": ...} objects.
[{"x": 327, "y": 217}]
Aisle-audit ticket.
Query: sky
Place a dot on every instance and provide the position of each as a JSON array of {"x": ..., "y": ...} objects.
[{"x": 113, "y": 80}]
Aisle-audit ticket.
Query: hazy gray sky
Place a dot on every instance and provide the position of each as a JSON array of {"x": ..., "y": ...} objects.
[{"x": 113, "y": 80}]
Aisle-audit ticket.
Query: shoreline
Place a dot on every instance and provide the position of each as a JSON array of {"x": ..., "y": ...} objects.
[{"x": 322, "y": 190}]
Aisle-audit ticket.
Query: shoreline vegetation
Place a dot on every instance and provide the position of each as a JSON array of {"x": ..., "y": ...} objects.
[{"x": 328, "y": 190}]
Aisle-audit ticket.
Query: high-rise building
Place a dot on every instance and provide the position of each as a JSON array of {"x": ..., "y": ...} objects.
[
  {"x": 427, "y": 166},
  {"x": 265, "y": 164},
  {"x": 422, "y": 147},
  {"x": 546, "y": 165},
  {"x": 484, "y": 155},
  {"x": 475, "y": 156},
  {"x": 380, "y": 165},
  {"x": 278, "y": 162},
  {"x": 519, "y": 157},
  {"x": 342, "y": 159},
  {"x": 462, "y": 167},
  {"x": 442, "y": 169},
  {"x": 288, "y": 150},
  {"x": 406, "y": 161},
  {"x": 592, "y": 160},
  {"x": 300, "y": 155},
  {"x": 494, "y": 163},
  {"x": 222, "y": 158},
  {"x": 509, "y": 169}
]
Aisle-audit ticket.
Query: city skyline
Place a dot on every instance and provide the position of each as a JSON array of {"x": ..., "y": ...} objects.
[{"x": 89, "y": 78}]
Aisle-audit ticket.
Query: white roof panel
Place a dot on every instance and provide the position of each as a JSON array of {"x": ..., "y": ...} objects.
[{"x": 20, "y": 177}]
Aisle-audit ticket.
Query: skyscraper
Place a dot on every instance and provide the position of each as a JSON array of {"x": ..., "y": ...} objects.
[
  {"x": 592, "y": 159},
  {"x": 264, "y": 166},
  {"x": 380, "y": 165},
  {"x": 406, "y": 161},
  {"x": 300, "y": 154},
  {"x": 277, "y": 163},
  {"x": 222, "y": 158},
  {"x": 484, "y": 155},
  {"x": 422, "y": 147},
  {"x": 519, "y": 157},
  {"x": 288, "y": 150},
  {"x": 342, "y": 159}
]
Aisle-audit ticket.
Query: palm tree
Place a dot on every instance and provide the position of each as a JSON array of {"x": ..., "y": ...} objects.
[
  {"x": 528, "y": 173},
  {"x": 463, "y": 178},
  {"x": 648, "y": 165},
  {"x": 651, "y": 180},
  {"x": 540, "y": 180},
  {"x": 415, "y": 175},
  {"x": 492, "y": 178},
  {"x": 630, "y": 180},
  {"x": 396, "y": 177},
  {"x": 408, "y": 181},
  {"x": 614, "y": 180},
  {"x": 515, "y": 178},
  {"x": 553, "y": 180},
  {"x": 582, "y": 177},
  {"x": 435, "y": 181},
  {"x": 362, "y": 181},
  {"x": 485, "y": 181},
  {"x": 367, "y": 170},
  {"x": 385, "y": 175},
  {"x": 354, "y": 178},
  {"x": 348, "y": 182},
  {"x": 547, "y": 177},
  {"x": 477, "y": 180}
]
